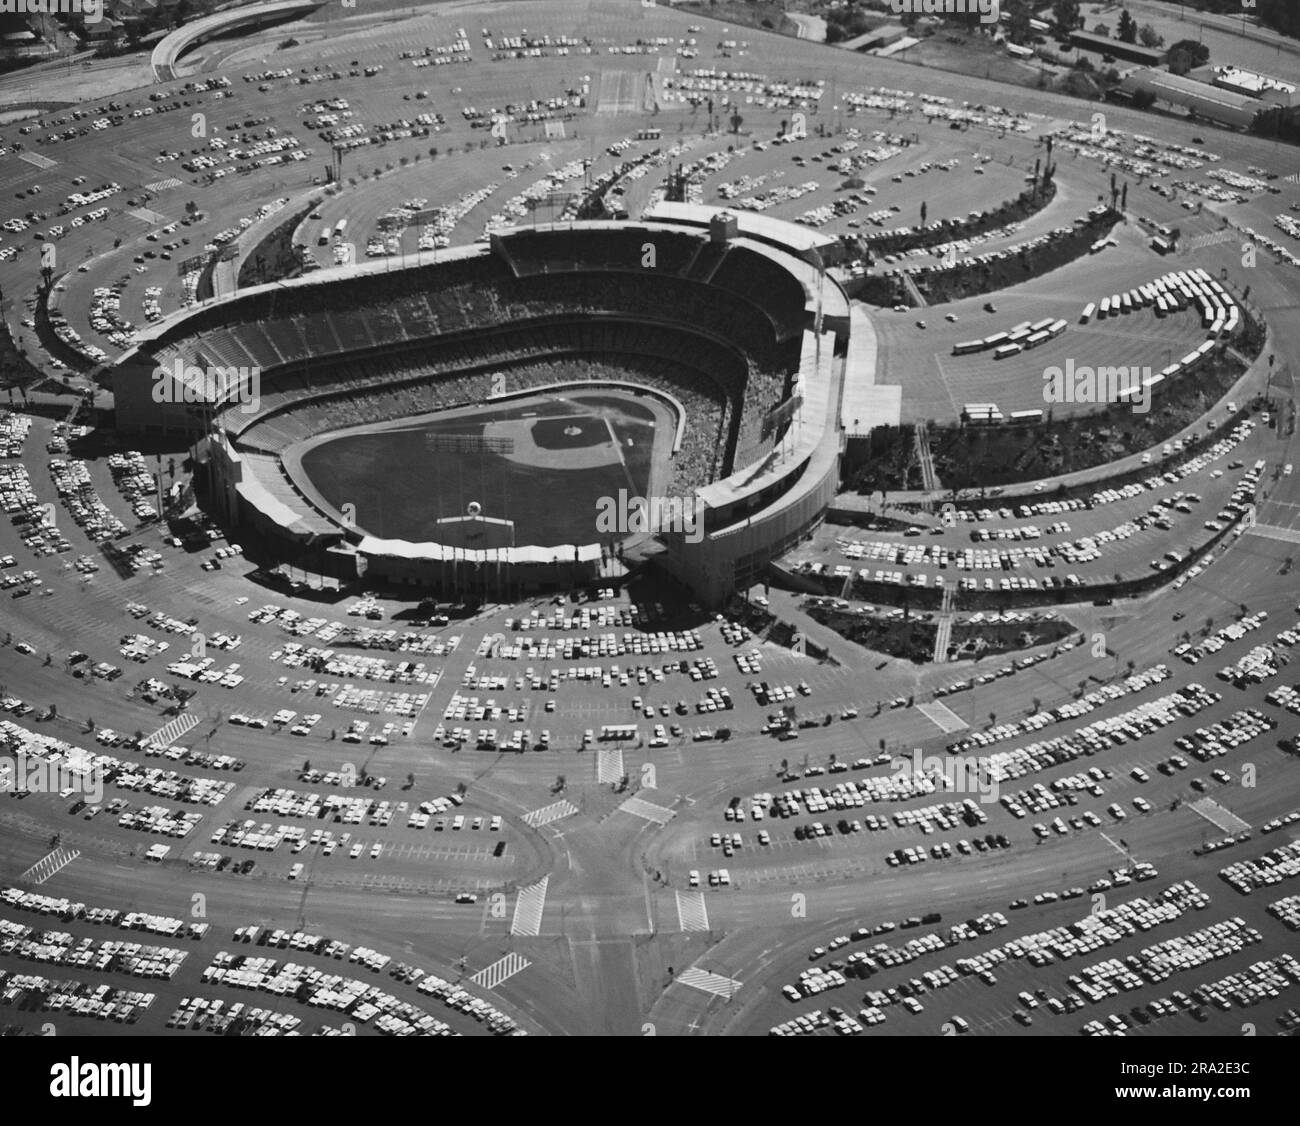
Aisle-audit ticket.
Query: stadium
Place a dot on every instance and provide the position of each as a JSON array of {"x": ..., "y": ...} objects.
[
  {"x": 718, "y": 336},
  {"x": 602, "y": 518}
]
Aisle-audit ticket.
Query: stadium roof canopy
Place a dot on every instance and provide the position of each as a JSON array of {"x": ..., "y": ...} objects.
[{"x": 787, "y": 236}]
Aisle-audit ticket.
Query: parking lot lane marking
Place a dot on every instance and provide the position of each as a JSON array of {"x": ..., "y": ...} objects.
[
  {"x": 692, "y": 914},
  {"x": 942, "y": 716},
  {"x": 48, "y": 865},
  {"x": 1223, "y": 819},
  {"x": 609, "y": 765},
  {"x": 528, "y": 908},
  {"x": 639, "y": 807},
  {"x": 548, "y": 813},
  {"x": 169, "y": 732},
  {"x": 489, "y": 977},
  {"x": 708, "y": 982}
]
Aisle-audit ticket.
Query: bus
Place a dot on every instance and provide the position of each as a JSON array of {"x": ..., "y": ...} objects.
[
  {"x": 1036, "y": 339},
  {"x": 1056, "y": 328},
  {"x": 617, "y": 732},
  {"x": 1027, "y": 416},
  {"x": 996, "y": 340},
  {"x": 1161, "y": 307},
  {"x": 1091, "y": 308},
  {"x": 324, "y": 239},
  {"x": 969, "y": 346},
  {"x": 340, "y": 230},
  {"x": 1105, "y": 309},
  {"x": 1126, "y": 303},
  {"x": 1041, "y": 326},
  {"x": 1007, "y": 350}
]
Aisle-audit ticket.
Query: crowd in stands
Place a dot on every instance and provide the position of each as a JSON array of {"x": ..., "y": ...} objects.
[
  {"x": 722, "y": 337},
  {"x": 390, "y": 387}
]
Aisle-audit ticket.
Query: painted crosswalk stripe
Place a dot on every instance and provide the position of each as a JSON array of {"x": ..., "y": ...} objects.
[
  {"x": 942, "y": 716},
  {"x": 35, "y": 158},
  {"x": 692, "y": 914},
  {"x": 528, "y": 908},
  {"x": 1218, "y": 816},
  {"x": 172, "y": 730},
  {"x": 1273, "y": 532},
  {"x": 651, "y": 812},
  {"x": 609, "y": 765},
  {"x": 549, "y": 813},
  {"x": 163, "y": 185},
  {"x": 697, "y": 978},
  {"x": 44, "y": 868},
  {"x": 489, "y": 977}
]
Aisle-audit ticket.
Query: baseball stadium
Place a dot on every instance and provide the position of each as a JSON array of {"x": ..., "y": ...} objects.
[{"x": 710, "y": 519}]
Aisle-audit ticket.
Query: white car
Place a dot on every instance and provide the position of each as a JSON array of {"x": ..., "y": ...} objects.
[{"x": 295, "y": 871}]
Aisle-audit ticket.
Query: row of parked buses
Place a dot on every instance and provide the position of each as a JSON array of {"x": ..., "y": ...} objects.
[
  {"x": 1220, "y": 314},
  {"x": 1022, "y": 338},
  {"x": 989, "y": 413}
]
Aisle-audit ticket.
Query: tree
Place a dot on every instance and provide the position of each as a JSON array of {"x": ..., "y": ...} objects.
[
  {"x": 1066, "y": 14},
  {"x": 1128, "y": 28},
  {"x": 1186, "y": 54},
  {"x": 1102, "y": 29},
  {"x": 559, "y": 785},
  {"x": 461, "y": 788},
  {"x": 1149, "y": 37},
  {"x": 736, "y": 122},
  {"x": 1018, "y": 17}
]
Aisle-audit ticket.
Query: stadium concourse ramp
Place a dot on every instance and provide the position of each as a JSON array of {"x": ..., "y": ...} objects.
[{"x": 167, "y": 53}]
